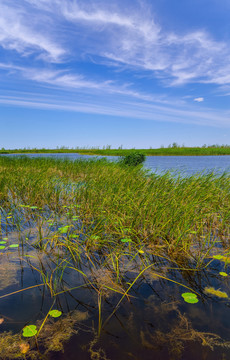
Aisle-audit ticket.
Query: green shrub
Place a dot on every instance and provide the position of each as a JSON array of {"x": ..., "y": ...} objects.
[{"x": 133, "y": 159}]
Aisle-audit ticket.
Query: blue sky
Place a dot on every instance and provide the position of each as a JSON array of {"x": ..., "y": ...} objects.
[{"x": 136, "y": 73}]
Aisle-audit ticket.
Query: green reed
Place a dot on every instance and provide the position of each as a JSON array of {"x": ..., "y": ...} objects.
[{"x": 112, "y": 202}]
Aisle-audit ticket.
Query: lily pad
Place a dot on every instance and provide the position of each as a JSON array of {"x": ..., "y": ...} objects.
[
  {"x": 222, "y": 273},
  {"x": 126, "y": 240},
  {"x": 2, "y": 247},
  {"x": 29, "y": 330},
  {"x": 14, "y": 246},
  {"x": 2, "y": 242},
  {"x": 55, "y": 313},
  {"x": 218, "y": 257},
  {"x": 190, "y": 298},
  {"x": 64, "y": 229}
]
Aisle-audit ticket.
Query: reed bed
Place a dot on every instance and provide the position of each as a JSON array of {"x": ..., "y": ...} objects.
[{"x": 113, "y": 201}]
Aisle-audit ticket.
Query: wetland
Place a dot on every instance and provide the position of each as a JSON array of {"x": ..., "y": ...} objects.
[{"x": 104, "y": 261}]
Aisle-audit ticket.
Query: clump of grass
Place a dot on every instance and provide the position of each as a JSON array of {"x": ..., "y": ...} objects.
[{"x": 133, "y": 159}]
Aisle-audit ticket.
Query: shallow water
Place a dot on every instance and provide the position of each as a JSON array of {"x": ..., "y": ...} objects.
[
  {"x": 132, "y": 296},
  {"x": 152, "y": 321}
]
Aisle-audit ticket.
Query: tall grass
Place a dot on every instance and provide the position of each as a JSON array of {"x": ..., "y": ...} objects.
[
  {"x": 112, "y": 224},
  {"x": 114, "y": 202}
]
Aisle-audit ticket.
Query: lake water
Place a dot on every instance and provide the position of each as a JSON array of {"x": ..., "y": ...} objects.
[{"x": 187, "y": 165}]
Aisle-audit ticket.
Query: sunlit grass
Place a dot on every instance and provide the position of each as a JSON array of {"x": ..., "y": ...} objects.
[{"x": 111, "y": 225}]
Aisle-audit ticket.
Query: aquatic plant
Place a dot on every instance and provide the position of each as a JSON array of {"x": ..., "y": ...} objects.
[
  {"x": 190, "y": 298},
  {"x": 218, "y": 293},
  {"x": 120, "y": 229},
  {"x": 55, "y": 313},
  {"x": 29, "y": 331}
]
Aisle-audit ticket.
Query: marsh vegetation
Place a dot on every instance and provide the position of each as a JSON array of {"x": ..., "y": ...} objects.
[
  {"x": 171, "y": 150},
  {"x": 136, "y": 264}
]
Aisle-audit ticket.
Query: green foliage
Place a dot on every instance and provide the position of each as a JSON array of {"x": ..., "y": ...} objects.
[
  {"x": 55, "y": 313},
  {"x": 173, "y": 149},
  {"x": 29, "y": 331},
  {"x": 190, "y": 298},
  {"x": 126, "y": 240},
  {"x": 133, "y": 159},
  {"x": 222, "y": 273}
]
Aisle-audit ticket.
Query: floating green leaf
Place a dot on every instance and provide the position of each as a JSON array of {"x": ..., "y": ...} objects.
[
  {"x": 29, "y": 330},
  {"x": 55, "y": 313},
  {"x": 126, "y": 240},
  {"x": 5, "y": 238},
  {"x": 190, "y": 298},
  {"x": 222, "y": 273},
  {"x": 64, "y": 229},
  {"x": 74, "y": 236},
  {"x": 33, "y": 207},
  {"x": 14, "y": 246},
  {"x": 2, "y": 242},
  {"x": 218, "y": 257},
  {"x": 95, "y": 237},
  {"x": 2, "y": 247}
]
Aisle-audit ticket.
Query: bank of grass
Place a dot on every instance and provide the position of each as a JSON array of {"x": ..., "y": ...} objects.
[
  {"x": 169, "y": 151},
  {"x": 176, "y": 214}
]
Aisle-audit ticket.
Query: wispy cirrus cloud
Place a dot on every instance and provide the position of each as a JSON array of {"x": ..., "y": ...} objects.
[
  {"x": 67, "y": 30},
  {"x": 57, "y": 36},
  {"x": 20, "y": 30},
  {"x": 129, "y": 109}
]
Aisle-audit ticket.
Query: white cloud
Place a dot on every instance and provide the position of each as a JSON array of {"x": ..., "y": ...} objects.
[
  {"x": 126, "y": 37},
  {"x": 199, "y": 99},
  {"x": 22, "y": 32},
  {"x": 114, "y": 107}
]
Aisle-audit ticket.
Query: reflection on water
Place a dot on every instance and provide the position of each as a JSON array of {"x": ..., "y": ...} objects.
[
  {"x": 151, "y": 321},
  {"x": 8, "y": 272}
]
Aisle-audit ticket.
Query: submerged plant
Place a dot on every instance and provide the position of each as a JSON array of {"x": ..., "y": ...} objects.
[{"x": 218, "y": 293}]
